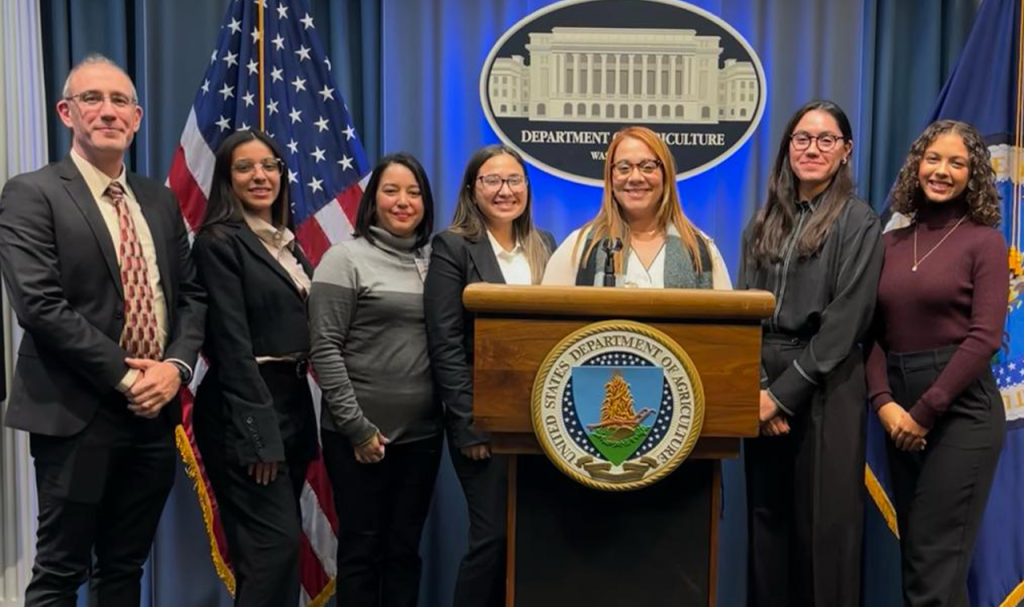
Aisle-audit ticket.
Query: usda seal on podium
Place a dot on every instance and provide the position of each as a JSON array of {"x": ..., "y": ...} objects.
[{"x": 617, "y": 405}]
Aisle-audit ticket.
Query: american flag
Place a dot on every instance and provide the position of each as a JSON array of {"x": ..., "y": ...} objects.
[{"x": 268, "y": 70}]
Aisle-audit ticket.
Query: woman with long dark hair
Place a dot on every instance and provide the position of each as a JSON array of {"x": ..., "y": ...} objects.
[
  {"x": 254, "y": 418},
  {"x": 818, "y": 249},
  {"x": 640, "y": 210},
  {"x": 942, "y": 303},
  {"x": 381, "y": 423},
  {"x": 491, "y": 239}
]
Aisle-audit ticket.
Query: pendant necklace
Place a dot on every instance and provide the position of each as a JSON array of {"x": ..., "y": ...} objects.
[{"x": 917, "y": 261}]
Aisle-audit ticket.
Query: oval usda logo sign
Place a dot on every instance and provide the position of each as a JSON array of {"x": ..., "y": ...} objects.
[
  {"x": 617, "y": 405},
  {"x": 565, "y": 79}
]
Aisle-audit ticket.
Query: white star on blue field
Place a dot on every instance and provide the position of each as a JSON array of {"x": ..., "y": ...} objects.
[
  {"x": 615, "y": 359},
  {"x": 1009, "y": 374},
  {"x": 573, "y": 424}
]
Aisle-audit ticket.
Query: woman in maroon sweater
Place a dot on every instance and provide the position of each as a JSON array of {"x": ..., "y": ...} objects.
[{"x": 942, "y": 302}]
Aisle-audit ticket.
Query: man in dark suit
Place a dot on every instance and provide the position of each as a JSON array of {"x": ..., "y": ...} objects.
[
  {"x": 3, "y": 360},
  {"x": 98, "y": 268}
]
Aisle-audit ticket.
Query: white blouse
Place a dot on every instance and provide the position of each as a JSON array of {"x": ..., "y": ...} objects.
[{"x": 563, "y": 266}]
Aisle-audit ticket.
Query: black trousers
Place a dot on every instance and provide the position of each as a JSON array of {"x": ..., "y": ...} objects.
[
  {"x": 381, "y": 511},
  {"x": 101, "y": 493},
  {"x": 940, "y": 493},
  {"x": 262, "y": 523},
  {"x": 481, "y": 579},
  {"x": 805, "y": 493}
]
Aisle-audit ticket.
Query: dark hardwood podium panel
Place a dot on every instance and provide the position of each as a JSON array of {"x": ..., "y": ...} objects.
[
  {"x": 509, "y": 353},
  {"x": 516, "y": 327},
  {"x": 576, "y": 546}
]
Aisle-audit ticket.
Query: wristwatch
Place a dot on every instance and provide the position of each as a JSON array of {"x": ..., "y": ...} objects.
[{"x": 183, "y": 371}]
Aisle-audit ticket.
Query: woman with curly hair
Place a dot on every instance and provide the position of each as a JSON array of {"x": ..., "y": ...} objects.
[{"x": 941, "y": 309}]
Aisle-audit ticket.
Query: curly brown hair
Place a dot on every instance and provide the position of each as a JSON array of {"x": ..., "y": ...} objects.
[{"x": 981, "y": 194}]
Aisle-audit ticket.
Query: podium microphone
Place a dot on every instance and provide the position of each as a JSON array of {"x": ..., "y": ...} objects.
[{"x": 611, "y": 246}]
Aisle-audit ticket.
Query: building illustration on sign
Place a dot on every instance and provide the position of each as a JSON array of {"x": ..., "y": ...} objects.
[{"x": 590, "y": 74}]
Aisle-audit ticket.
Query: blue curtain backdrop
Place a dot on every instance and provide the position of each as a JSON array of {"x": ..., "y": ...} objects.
[{"x": 409, "y": 71}]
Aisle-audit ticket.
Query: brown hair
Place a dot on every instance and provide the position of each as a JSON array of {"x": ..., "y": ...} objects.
[
  {"x": 610, "y": 223},
  {"x": 469, "y": 222},
  {"x": 224, "y": 205},
  {"x": 777, "y": 218},
  {"x": 981, "y": 194}
]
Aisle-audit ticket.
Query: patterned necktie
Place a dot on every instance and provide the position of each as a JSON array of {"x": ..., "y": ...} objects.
[{"x": 140, "y": 325}]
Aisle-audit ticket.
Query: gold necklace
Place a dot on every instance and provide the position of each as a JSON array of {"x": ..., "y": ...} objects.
[
  {"x": 647, "y": 235},
  {"x": 917, "y": 261}
]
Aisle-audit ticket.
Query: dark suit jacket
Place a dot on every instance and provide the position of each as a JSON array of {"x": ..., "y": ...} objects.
[
  {"x": 255, "y": 309},
  {"x": 61, "y": 271},
  {"x": 454, "y": 263},
  {"x": 3, "y": 363}
]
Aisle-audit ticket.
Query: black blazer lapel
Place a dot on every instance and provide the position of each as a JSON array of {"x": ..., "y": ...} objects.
[
  {"x": 158, "y": 231},
  {"x": 486, "y": 263},
  {"x": 303, "y": 261},
  {"x": 80, "y": 195},
  {"x": 255, "y": 245}
]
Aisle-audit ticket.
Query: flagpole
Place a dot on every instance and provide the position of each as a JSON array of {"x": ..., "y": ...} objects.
[
  {"x": 1015, "y": 168},
  {"x": 259, "y": 13},
  {"x": 1018, "y": 135}
]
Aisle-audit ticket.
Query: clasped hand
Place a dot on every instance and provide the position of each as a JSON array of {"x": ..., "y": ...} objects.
[
  {"x": 772, "y": 422},
  {"x": 371, "y": 451},
  {"x": 907, "y": 434},
  {"x": 155, "y": 386}
]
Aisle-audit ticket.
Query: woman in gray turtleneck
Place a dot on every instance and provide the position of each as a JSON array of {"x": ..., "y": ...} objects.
[{"x": 381, "y": 424}]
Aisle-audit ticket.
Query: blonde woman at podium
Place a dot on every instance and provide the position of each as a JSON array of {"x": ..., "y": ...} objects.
[
  {"x": 640, "y": 227},
  {"x": 818, "y": 249},
  {"x": 491, "y": 239}
]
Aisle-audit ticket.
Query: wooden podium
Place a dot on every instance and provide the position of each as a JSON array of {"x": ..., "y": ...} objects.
[{"x": 574, "y": 545}]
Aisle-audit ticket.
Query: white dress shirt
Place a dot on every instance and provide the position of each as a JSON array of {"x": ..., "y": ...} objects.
[
  {"x": 515, "y": 268},
  {"x": 97, "y": 181}
]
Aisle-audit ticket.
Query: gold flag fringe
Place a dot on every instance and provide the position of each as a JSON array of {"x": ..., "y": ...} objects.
[
  {"x": 881, "y": 500},
  {"x": 192, "y": 469}
]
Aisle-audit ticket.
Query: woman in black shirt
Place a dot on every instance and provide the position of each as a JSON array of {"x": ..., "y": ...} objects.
[{"x": 818, "y": 249}]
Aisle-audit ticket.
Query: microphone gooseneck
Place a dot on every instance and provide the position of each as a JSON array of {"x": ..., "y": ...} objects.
[{"x": 610, "y": 246}]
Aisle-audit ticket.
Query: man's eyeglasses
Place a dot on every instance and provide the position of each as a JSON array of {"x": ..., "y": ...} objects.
[
  {"x": 271, "y": 166},
  {"x": 826, "y": 141},
  {"x": 624, "y": 168},
  {"x": 94, "y": 99},
  {"x": 494, "y": 182}
]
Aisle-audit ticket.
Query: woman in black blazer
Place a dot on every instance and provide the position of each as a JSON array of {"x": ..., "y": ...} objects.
[
  {"x": 491, "y": 239},
  {"x": 254, "y": 418}
]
